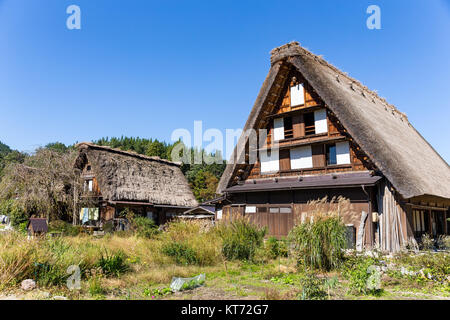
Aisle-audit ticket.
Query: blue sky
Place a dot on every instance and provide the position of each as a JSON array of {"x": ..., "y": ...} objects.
[{"x": 145, "y": 68}]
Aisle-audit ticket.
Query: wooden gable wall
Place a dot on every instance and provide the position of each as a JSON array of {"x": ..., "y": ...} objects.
[{"x": 335, "y": 132}]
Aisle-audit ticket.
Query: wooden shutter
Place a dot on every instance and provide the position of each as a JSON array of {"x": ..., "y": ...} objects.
[
  {"x": 285, "y": 161},
  {"x": 298, "y": 125},
  {"x": 318, "y": 155}
]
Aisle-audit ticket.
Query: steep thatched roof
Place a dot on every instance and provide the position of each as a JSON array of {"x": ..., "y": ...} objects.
[
  {"x": 128, "y": 176},
  {"x": 404, "y": 157}
]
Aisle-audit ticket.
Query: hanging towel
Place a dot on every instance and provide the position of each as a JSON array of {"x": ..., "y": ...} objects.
[
  {"x": 93, "y": 213},
  {"x": 84, "y": 215}
]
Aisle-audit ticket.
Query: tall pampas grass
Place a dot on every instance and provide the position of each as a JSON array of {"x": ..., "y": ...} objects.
[{"x": 318, "y": 238}]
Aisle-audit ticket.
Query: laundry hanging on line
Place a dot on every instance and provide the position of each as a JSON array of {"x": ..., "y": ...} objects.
[{"x": 87, "y": 214}]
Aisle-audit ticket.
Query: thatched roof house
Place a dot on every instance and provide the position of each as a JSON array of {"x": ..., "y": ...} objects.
[
  {"x": 37, "y": 226},
  {"x": 122, "y": 179},
  {"x": 409, "y": 182}
]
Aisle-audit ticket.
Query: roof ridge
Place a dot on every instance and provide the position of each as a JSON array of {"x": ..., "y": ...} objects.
[{"x": 127, "y": 153}]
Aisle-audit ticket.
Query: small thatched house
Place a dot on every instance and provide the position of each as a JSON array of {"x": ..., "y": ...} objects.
[
  {"x": 329, "y": 136},
  {"x": 37, "y": 226},
  {"x": 115, "y": 180}
]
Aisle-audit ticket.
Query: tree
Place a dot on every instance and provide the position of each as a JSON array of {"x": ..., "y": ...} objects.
[
  {"x": 204, "y": 185},
  {"x": 157, "y": 149},
  {"x": 57, "y": 146},
  {"x": 7, "y": 155},
  {"x": 4, "y": 149},
  {"x": 43, "y": 184}
]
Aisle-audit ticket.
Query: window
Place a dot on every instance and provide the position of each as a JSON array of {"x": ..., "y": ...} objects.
[
  {"x": 278, "y": 129},
  {"x": 285, "y": 210},
  {"x": 88, "y": 186},
  {"x": 297, "y": 95},
  {"x": 280, "y": 209},
  {"x": 288, "y": 130},
  {"x": 310, "y": 127},
  {"x": 301, "y": 158},
  {"x": 331, "y": 154},
  {"x": 320, "y": 121},
  {"x": 88, "y": 168},
  {"x": 250, "y": 209},
  {"x": 269, "y": 160},
  {"x": 338, "y": 153},
  {"x": 343, "y": 152}
]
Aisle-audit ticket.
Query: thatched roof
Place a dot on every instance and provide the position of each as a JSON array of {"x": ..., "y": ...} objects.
[
  {"x": 403, "y": 156},
  {"x": 128, "y": 176},
  {"x": 38, "y": 224}
]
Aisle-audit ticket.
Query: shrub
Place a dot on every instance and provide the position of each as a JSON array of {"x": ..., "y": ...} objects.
[
  {"x": 64, "y": 227},
  {"x": 443, "y": 242},
  {"x": 276, "y": 248},
  {"x": 94, "y": 282},
  {"x": 144, "y": 227},
  {"x": 319, "y": 244},
  {"x": 157, "y": 293},
  {"x": 313, "y": 288},
  {"x": 426, "y": 242},
  {"x": 241, "y": 239},
  {"x": 15, "y": 213},
  {"x": 181, "y": 253},
  {"x": 112, "y": 263},
  {"x": 16, "y": 258},
  {"x": 363, "y": 276},
  {"x": 436, "y": 265},
  {"x": 202, "y": 240},
  {"x": 192, "y": 284}
]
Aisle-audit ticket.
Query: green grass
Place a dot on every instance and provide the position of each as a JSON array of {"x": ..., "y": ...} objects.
[{"x": 133, "y": 267}]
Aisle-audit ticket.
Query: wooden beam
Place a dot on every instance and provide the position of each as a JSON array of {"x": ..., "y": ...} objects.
[{"x": 423, "y": 207}]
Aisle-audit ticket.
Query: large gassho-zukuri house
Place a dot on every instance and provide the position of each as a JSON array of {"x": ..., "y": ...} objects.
[
  {"x": 115, "y": 180},
  {"x": 335, "y": 138}
]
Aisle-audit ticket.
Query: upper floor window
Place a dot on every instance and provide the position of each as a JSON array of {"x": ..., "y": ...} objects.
[
  {"x": 269, "y": 160},
  {"x": 338, "y": 153},
  {"x": 288, "y": 129},
  {"x": 310, "y": 127},
  {"x": 301, "y": 158},
  {"x": 88, "y": 185},
  {"x": 278, "y": 129},
  {"x": 297, "y": 95},
  {"x": 315, "y": 122},
  {"x": 320, "y": 121},
  {"x": 331, "y": 154},
  {"x": 282, "y": 128}
]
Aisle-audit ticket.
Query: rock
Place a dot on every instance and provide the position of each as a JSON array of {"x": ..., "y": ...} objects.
[
  {"x": 28, "y": 284},
  {"x": 59, "y": 298}
]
